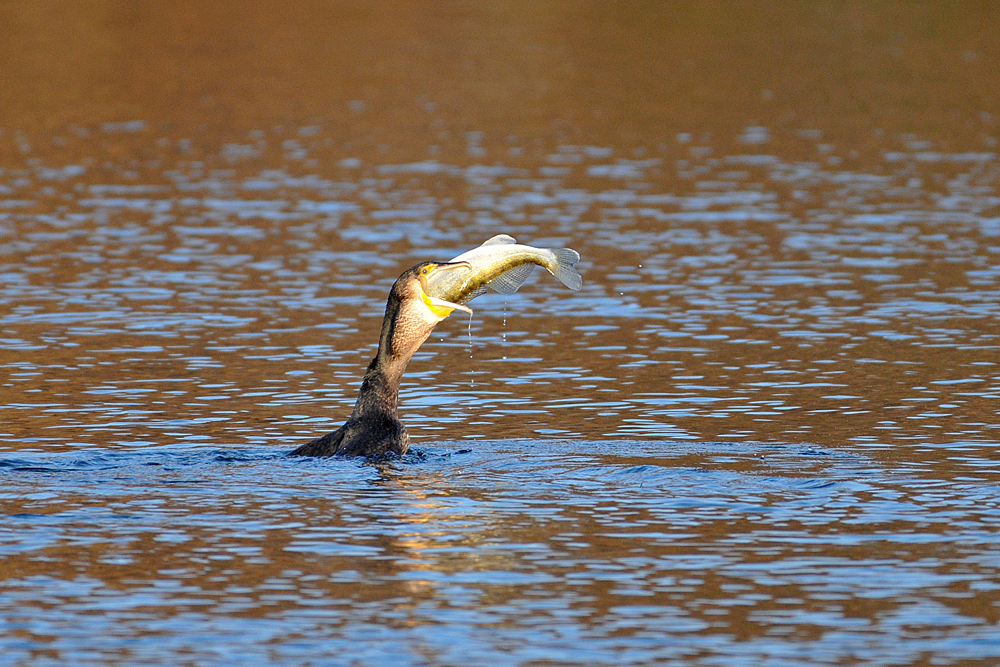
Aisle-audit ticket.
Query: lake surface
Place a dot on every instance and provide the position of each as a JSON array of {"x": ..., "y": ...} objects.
[{"x": 763, "y": 433}]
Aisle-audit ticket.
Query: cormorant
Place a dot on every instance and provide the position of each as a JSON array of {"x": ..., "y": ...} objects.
[{"x": 374, "y": 429}]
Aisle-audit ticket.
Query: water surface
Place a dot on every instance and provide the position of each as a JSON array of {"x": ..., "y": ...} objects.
[{"x": 764, "y": 433}]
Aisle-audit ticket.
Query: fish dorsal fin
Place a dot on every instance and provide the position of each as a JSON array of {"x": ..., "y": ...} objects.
[
  {"x": 508, "y": 282},
  {"x": 500, "y": 239}
]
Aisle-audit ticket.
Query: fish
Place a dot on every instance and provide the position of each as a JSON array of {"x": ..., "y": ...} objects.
[{"x": 500, "y": 264}]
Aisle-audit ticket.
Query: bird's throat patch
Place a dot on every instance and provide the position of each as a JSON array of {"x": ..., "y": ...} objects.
[{"x": 436, "y": 308}]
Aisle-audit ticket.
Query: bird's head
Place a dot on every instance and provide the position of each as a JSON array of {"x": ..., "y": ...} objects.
[{"x": 411, "y": 313}]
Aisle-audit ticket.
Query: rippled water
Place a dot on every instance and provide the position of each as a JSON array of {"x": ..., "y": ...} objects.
[
  {"x": 764, "y": 432},
  {"x": 610, "y": 552}
]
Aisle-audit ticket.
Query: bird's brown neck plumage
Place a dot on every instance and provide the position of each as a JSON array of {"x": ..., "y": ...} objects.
[{"x": 404, "y": 330}]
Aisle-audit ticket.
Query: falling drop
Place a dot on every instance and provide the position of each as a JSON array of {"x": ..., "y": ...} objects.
[
  {"x": 472, "y": 377},
  {"x": 505, "y": 322},
  {"x": 505, "y": 326}
]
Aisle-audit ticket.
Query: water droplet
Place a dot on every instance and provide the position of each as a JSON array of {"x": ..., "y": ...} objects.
[
  {"x": 472, "y": 377},
  {"x": 505, "y": 322}
]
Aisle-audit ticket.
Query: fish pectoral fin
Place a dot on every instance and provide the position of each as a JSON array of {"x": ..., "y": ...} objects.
[
  {"x": 508, "y": 282},
  {"x": 479, "y": 291},
  {"x": 500, "y": 239},
  {"x": 441, "y": 303}
]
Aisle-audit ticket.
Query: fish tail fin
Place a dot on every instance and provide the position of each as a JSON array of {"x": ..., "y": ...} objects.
[{"x": 564, "y": 268}]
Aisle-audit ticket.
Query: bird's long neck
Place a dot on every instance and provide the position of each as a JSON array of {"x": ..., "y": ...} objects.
[
  {"x": 379, "y": 392},
  {"x": 380, "y": 387}
]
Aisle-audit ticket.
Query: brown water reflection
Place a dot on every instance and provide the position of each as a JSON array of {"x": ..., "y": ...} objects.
[{"x": 763, "y": 433}]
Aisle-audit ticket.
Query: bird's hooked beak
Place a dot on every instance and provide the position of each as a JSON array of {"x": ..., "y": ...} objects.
[{"x": 440, "y": 307}]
